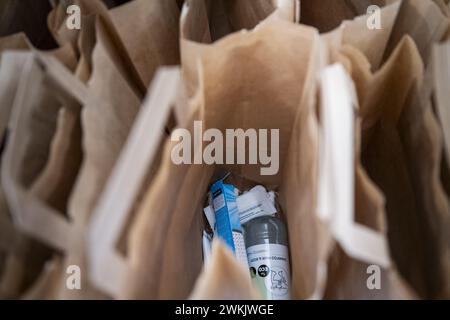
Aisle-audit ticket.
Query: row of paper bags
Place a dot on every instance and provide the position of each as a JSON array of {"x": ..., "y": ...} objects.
[{"x": 87, "y": 180}]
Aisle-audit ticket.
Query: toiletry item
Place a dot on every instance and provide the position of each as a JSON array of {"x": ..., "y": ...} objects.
[
  {"x": 268, "y": 256},
  {"x": 255, "y": 203},
  {"x": 227, "y": 225}
]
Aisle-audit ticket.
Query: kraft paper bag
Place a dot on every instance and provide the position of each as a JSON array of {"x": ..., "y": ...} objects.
[
  {"x": 371, "y": 42},
  {"x": 150, "y": 33},
  {"x": 106, "y": 127},
  {"x": 7, "y": 235},
  {"x": 437, "y": 69},
  {"x": 143, "y": 42},
  {"x": 83, "y": 40},
  {"x": 94, "y": 15},
  {"x": 348, "y": 277},
  {"x": 170, "y": 216},
  {"x": 438, "y": 65},
  {"x": 423, "y": 21},
  {"x": 220, "y": 18},
  {"x": 56, "y": 20},
  {"x": 345, "y": 266},
  {"x": 23, "y": 265},
  {"x": 31, "y": 130},
  {"x": 46, "y": 285},
  {"x": 56, "y": 179},
  {"x": 135, "y": 169},
  {"x": 203, "y": 22},
  {"x": 11, "y": 67},
  {"x": 41, "y": 171},
  {"x": 422, "y": 142},
  {"x": 21, "y": 257},
  {"x": 17, "y": 41},
  {"x": 53, "y": 185},
  {"x": 325, "y": 15},
  {"x": 26, "y": 16},
  {"x": 443, "y": 5},
  {"x": 401, "y": 153},
  {"x": 19, "y": 270},
  {"x": 397, "y": 18},
  {"x": 224, "y": 278},
  {"x": 162, "y": 220}
]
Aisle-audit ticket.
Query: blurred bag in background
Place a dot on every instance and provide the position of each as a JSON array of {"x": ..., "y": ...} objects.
[{"x": 87, "y": 178}]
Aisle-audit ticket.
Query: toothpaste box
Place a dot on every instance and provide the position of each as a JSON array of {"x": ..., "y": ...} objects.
[{"x": 227, "y": 225}]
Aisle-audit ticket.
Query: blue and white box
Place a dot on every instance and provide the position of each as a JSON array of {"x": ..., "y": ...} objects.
[{"x": 228, "y": 226}]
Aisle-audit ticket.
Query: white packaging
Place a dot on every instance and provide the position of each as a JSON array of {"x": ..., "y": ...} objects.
[{"x": 256, "y": 203}]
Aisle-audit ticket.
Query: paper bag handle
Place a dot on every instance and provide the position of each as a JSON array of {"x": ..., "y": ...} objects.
[
  {"x": 336, "y": 192},
  {"x": 107, "y": 267},
  {"x": 30, "y": 213},
  {"x": 337, "y": 176}
]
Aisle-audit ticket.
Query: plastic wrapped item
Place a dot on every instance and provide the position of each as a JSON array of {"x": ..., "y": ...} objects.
[{"x": 265, "y": 249}]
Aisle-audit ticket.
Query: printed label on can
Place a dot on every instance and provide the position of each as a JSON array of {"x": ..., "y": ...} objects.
[{"x": 269, "y": 269}]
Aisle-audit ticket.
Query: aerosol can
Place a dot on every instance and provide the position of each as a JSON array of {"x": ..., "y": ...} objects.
[{"x": 268, "y": 256}]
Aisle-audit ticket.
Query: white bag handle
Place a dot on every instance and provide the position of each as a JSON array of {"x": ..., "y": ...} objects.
[
  {"x": 337, "y": 183},
  {"x": 107, "y": 267},
  {"x": 337, "y": 176},
  {"x": 29, "y": 213}
]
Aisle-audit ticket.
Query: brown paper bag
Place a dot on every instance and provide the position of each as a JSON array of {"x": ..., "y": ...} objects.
[
  {"x": 440, "y": 94},
  {"x": 46, "y": 286},
  {"x": 423, "y": 21},
  {"x": 407, "y": 171},
  {"x": 365, "y": 83},
  {"x": 21, "y": 268},
  {"x": 201, "y": 21},
  {"x": 11, "y": 67},
  {"x": 83, "y": 40},
  {"x": 35, "y": 110},
  {"x": 57, "y": 18},
  {"x": 358, "y": 236},
  {"x": 106, "y": 126},
  {"x": 150, "y": 41},
  {"x": 224, "y": 278},
  {"x": 26, "y": 16},
  {"x": 168, "y": 222},
  {"x": 7, "y": 230},
  {"x": 372, "y": 43},
  {"x": 38, "y": 192},
  {"x": 142, "y": 43},
  {"x": 398, "y": 18},
  {"x": 326, "y": 15},
  {"x": 443, "y": 5},
  {"x": 53, "y": 184},
  {"x": 174, "y": 226},
  {"x": 127, "y": 183}
]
